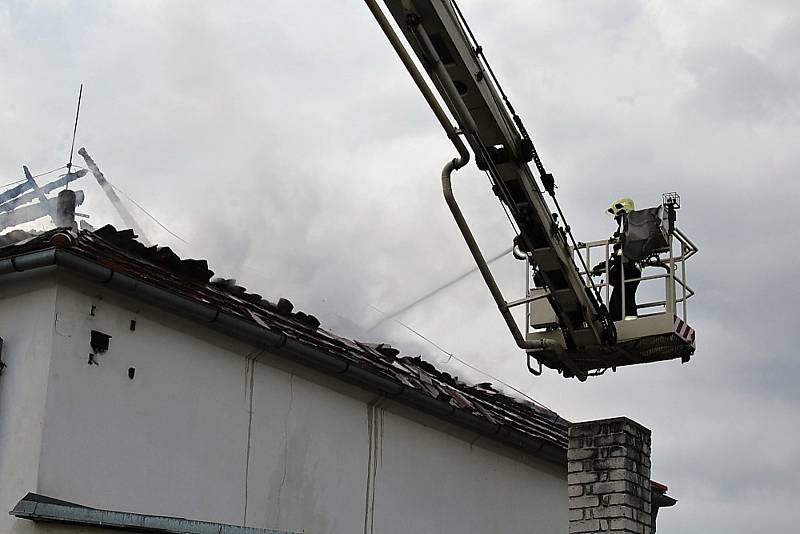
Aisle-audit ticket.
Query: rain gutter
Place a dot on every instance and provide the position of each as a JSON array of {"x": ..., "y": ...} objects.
[{"x": 278, "y": 343}]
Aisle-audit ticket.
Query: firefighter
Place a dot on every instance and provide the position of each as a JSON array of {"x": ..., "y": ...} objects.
[{"x": 619, "y": 265}]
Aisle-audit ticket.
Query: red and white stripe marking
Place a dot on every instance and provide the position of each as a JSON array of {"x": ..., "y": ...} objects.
[{"x": 683, "y": 330}]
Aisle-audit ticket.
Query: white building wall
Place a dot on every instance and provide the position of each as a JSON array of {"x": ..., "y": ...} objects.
[
  {"x": 27, "y": 309},
  {"x": 312, "y": 454}
]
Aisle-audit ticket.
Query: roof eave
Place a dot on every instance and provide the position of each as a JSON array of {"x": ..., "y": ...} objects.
[{"x": 279, "y": 343}]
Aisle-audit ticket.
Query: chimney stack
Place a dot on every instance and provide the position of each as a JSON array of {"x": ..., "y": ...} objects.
[
  {"x": 609, "y": 477},
  {"x": 65, "y": 209}
]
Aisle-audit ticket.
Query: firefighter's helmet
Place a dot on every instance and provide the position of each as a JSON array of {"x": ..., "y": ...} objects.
[{"x": 621, "y": 205}]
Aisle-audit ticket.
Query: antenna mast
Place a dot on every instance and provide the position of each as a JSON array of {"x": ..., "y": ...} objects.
[{"x": 75, "y": 130}]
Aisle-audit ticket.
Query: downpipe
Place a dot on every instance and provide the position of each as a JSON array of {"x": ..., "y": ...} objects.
[
  {"x": 538, "y": 345},
  {"x": 412, "y": 69},
  {"x": 461, "y": 112},
  {"x": 447, "y": 188},
  {"x": 532, "y": 347}
]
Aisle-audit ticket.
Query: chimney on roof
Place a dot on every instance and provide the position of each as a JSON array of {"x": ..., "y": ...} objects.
[
  {"x": 65, "y": 209},
  {"x": 609, "y": 477}
]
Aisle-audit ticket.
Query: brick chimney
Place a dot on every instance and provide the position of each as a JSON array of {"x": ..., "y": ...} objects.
[{"x": 609, "y": 477}]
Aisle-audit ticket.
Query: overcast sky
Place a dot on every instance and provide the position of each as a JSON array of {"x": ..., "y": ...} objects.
[{"x": 283, "y": 141}]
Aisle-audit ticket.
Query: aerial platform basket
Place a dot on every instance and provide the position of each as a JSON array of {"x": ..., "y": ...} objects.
[{"x": 660, "y": 332}]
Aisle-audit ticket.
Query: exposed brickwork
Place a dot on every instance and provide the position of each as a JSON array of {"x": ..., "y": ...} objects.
[{"x": 609, "y": 477}]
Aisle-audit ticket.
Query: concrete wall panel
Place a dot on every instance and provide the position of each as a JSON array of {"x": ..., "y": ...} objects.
[
  {"x": 208, "y": 427},
  {"x": 27, "y": 308}
]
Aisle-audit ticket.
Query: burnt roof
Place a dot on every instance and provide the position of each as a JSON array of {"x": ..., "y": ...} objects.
[{"x": 192, "y": 279}]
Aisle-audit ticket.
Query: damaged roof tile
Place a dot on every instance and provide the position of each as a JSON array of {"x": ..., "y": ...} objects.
[{"x": 192, "y": 279}]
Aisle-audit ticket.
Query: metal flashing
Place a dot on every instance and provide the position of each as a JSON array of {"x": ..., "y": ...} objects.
[{"x": 42, "y": 508}]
